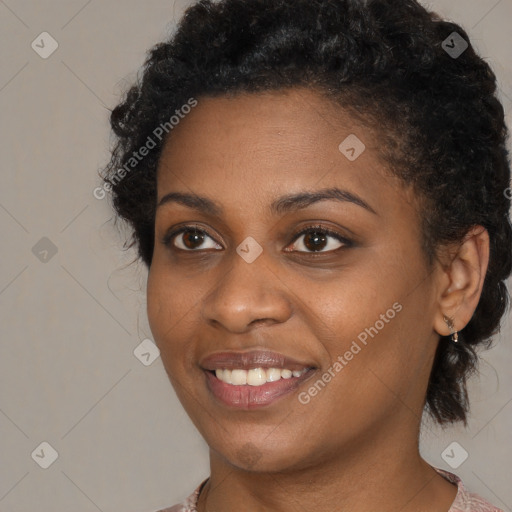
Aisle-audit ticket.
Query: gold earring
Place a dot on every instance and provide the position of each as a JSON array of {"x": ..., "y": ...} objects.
[{"x": 451, "y": 326}]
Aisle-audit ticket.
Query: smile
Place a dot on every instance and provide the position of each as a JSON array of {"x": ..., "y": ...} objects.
[
  {"x": 244, "y": 395},
  {"x": 256, "y": 376}
]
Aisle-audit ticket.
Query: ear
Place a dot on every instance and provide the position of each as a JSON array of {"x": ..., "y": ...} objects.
[{"x": 462, "y": 280}]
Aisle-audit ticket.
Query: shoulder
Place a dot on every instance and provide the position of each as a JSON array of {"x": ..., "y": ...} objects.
[
  {"x": 189, "y": 504},
  {"x": 466, "y": 501},
  {"x": 175, "y": 508}
]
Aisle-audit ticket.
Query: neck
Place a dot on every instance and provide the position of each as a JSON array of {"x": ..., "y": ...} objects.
[{"x": 386, "y": 474}]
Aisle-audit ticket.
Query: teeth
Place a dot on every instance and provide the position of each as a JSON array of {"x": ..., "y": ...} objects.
[
  {"x": 238, "y": 377},
  {"x": 226, "y": 376},
  {"x": 256, "y": 376},
  {"x": 273, "y": 374},
  {"x": 286, "y": 374}
]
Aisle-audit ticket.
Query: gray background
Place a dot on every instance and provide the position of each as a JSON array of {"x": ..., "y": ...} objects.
[{"x": 72, "y": 320}]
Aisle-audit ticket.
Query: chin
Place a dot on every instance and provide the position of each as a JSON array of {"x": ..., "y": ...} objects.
[{"x": 265, "y": 457}]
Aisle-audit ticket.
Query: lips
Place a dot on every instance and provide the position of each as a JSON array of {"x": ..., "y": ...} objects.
[
  {"x": 246, "y": 396},
  {"x": 252, "y": 359}
]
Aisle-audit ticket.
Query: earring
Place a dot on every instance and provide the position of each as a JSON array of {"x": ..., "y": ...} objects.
[{"x": 454, "y": 333}]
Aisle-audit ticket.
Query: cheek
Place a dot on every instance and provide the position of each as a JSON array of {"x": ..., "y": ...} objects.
[
  {"x": 172, "y": 309},
  {"x": 165, "y": 306},
  {"x": 157, "y": 305},
  {"x": 377, "y": 322},
  {"x": 168, "y": 297}
]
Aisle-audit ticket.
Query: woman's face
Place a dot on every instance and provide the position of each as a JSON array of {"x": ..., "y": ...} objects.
[{"x": 357, "y": 306}]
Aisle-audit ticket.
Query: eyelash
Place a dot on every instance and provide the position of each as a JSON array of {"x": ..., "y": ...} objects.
[{"x": 317, "y": 228}]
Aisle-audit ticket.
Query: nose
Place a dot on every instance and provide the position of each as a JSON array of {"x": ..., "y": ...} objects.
[{"x": 248, "y": 294}]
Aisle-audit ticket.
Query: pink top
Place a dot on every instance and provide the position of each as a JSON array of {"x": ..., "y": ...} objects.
[{"x": 465, "y": 501}]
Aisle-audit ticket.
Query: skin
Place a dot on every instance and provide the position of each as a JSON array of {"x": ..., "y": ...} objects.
[{"x": 354, "y": 446}]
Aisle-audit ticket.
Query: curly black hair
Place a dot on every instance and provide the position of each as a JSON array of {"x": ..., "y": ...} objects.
[{"x": 388, "y": 63}]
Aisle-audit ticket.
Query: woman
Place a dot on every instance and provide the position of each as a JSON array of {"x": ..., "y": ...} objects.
[{"x": 317, "y": 188}]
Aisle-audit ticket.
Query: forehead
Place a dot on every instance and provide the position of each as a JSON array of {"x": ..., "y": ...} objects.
[
  {"x": 295, "y": 120},
  {"x": 259, "y": 146}
]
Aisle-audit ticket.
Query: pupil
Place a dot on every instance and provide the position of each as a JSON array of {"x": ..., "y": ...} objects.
[
  {"x": 318, "y": 240},
  {"x": 192, "y": 234}
]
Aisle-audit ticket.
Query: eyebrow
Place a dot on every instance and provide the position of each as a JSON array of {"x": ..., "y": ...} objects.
[{"x": 284, "y": 204}]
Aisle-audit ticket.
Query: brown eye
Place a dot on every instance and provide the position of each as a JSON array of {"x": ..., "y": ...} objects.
[
  {"x": 191, "y": 239},
  {"x": 316, "y": 239}
]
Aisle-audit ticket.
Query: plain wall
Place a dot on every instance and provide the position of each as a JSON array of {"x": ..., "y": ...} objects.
[{"x": 70, "y": 324}]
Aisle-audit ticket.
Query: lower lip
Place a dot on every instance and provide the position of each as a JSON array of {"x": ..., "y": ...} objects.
[{"x": 251, "y": 397}]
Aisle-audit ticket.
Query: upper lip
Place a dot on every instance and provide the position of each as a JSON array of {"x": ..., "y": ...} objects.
[{"x": 251, "y": 359}]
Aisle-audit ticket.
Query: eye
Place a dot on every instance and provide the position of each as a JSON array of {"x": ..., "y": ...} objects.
[
  {"x": 312, "y": 239},
  {"x": 316, "y": 238},
  {"x": 192, "y": 239}
]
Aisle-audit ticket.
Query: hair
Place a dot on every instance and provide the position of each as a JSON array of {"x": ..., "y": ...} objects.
[{"x": 441, "y": 126}]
